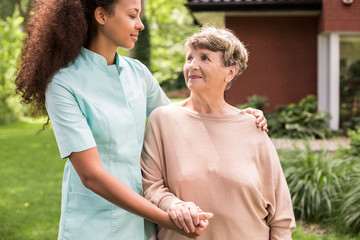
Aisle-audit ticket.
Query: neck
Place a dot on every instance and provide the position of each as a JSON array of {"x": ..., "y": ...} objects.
[
  {"x": 209, "y": 104},
  {"x": 106, "y": 50}
]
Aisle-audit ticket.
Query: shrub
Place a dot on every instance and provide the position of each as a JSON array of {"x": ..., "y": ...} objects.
[
  {"x": 255, "y": 101},
  {"x": 348, "y": 217},
  {"x": 314, "y": 180},
  {"x": 11, "y": 41},
  {"x": 300, "y": 120}
]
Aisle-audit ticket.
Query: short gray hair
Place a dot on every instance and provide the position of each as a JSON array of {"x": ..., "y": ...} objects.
[{"x": 223, "y": 40}]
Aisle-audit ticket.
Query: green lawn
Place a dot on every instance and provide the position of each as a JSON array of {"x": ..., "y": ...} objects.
[{"x": 30, "y": 186}]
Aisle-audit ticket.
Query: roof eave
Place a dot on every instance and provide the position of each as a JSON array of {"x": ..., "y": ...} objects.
[{"x": 253, "y": 6}]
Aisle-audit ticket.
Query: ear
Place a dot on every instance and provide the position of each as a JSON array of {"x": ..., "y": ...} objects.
[
  {"x": 100, "y": 15},
  {"x": 232, "y": 70}
]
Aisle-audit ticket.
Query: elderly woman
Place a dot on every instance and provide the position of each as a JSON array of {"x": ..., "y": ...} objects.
[{"x": 205, "y": 151}]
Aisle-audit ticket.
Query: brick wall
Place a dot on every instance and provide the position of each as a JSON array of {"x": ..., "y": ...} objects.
[
  {"x": 283, "y": 58},
  {"x": 337, "y": 16}
]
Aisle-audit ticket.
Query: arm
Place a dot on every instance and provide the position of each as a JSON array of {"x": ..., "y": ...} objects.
[
  {"x": 280, "y": 212},
  {"x": 88, "y": 166},
  {"x": 186, "y": 215},
  {"x": 94, "y": 177}
]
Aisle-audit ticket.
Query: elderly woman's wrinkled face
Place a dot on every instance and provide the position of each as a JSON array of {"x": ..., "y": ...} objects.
[{"x": 204, "y": 70}]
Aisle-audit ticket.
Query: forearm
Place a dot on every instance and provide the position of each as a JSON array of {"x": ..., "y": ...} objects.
[
  {"x": 115, "y": 191},
  {"x": 95, "y": 178}
]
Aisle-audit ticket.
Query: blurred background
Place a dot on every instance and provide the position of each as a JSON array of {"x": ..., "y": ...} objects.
[{"x": 303, "y": 72}]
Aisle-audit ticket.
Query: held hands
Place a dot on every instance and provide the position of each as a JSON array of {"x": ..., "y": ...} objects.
[
  {"x": 261, "y": 121},
  {"x": 189, "y": 217}
]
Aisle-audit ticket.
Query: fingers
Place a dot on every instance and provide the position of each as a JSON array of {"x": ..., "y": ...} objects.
[
  {"x": 187, "y": 221},
  {"x": 174, "y": 216},
  {"x": 261, "y": 120},
  {"x": 205, "y": 215},
  {"x": 264, "y": 128},
  {"x": 194, "y": 215},
  {"x": 203, "y": 223},
  {"x": 185, "y": 215}
]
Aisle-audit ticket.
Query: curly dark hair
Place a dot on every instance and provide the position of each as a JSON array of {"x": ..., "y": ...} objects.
[{"x": 55, "y": 32}]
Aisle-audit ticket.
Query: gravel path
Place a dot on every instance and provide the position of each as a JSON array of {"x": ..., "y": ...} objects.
[{"x": 331, "y": 144}]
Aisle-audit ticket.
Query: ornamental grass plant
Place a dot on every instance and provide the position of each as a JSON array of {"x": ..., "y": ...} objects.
[{"x": 315, "y": 180}]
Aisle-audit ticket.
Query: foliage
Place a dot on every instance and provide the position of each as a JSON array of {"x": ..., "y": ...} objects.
[
  {"x": 11, "y": 36},
  {"x": 255, "y": 101},
  {"x": 170, "y": 24},
  {"x": 350, "y": 97},
  {"x": 30, "y": 186},
  {"x": 142, "y": 48},
  {"x": 300, "y": 120},
  {"x": 314, "y": 180},
  {"x": 354, "y": 150},
  {"x": 348, "y": 217},
  {"x": 305, "y": 231},
  {"x": 7, "y": 8}
]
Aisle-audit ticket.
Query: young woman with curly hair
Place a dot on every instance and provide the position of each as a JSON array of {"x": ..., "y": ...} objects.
[{"x": 97, "y": 102}]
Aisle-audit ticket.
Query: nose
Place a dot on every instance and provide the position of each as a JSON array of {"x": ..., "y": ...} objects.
[
  {"x": 139, "y": 25},
  {"x": 193, "y": 64}
]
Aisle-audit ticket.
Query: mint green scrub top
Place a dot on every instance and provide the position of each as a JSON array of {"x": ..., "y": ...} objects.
[{"x": 91, "y": 104}]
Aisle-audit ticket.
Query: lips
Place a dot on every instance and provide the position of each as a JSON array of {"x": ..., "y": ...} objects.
[
  {"x": 194, "y": 77},
  {"x": 134, "y": 36}
]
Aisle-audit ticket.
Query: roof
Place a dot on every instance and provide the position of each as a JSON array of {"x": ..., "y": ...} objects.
[{"x": 253, "y": 5}]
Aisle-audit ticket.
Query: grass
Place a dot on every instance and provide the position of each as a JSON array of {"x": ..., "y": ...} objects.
[
  {"x": 30, "y": 186},
  {"x": 314, "y": 232}
]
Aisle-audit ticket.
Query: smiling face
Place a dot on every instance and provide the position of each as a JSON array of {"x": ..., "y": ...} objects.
[
  {"x": 204, "y": 71},
  {"x": 121, "y": 29}
]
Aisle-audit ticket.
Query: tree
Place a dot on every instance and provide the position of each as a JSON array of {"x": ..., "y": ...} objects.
[
  {"x": 170, "y": 24},
  {"x": 11, "y": 36},
  {"x": 7, "y": 8},
  {"x": 142, "y": 48}
]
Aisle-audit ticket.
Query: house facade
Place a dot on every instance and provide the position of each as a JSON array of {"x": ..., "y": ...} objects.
[{"x": 297, "y": 47}]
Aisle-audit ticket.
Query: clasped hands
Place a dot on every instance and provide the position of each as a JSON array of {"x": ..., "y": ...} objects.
[{"x": 189, "y": 217}]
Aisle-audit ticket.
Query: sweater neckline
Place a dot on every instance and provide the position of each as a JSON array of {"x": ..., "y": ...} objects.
[{"x": 209, "y": 115}]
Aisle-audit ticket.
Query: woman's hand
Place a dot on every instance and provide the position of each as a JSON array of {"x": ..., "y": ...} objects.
[
  {"x": 189, "y": 217},
  {"x": 261, "y": 121}
]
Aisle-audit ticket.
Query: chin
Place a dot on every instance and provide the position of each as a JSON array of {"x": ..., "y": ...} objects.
[{"x": 127, "y": 46}]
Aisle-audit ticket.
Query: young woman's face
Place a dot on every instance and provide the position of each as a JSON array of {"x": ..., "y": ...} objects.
[
  {"x": 204, "y": 71},
  {"x": 122, "y": 28}
]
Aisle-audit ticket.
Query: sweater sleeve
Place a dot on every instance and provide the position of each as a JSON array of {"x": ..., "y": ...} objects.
[
  {"x": 154, "y": 168},
  {"x": 280, "y": 217}
]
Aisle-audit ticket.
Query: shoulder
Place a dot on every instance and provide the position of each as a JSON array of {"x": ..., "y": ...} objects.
[
  {"x": 133, "y": 63},
  {"x": 164, "y": 110},
  {"x": 70, "y": 73}
]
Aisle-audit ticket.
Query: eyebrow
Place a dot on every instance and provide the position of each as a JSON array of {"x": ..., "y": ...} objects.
[{"x": 135, "y": 9}]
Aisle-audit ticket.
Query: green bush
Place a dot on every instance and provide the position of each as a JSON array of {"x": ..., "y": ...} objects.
[
  {"x": 348, "y": 215},
  {"x": 11, "y": 36},
  {"x": 255, "y": 101},
  {"x": 300, "y": 120},
  {"x": 315, "y": 180}
]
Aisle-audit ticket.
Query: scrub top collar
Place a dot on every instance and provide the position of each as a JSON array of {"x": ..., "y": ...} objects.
[{"x": 100, "y": 61}]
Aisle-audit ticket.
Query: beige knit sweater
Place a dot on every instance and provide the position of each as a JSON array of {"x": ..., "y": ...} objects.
[{"x": 222, "y": 163}]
